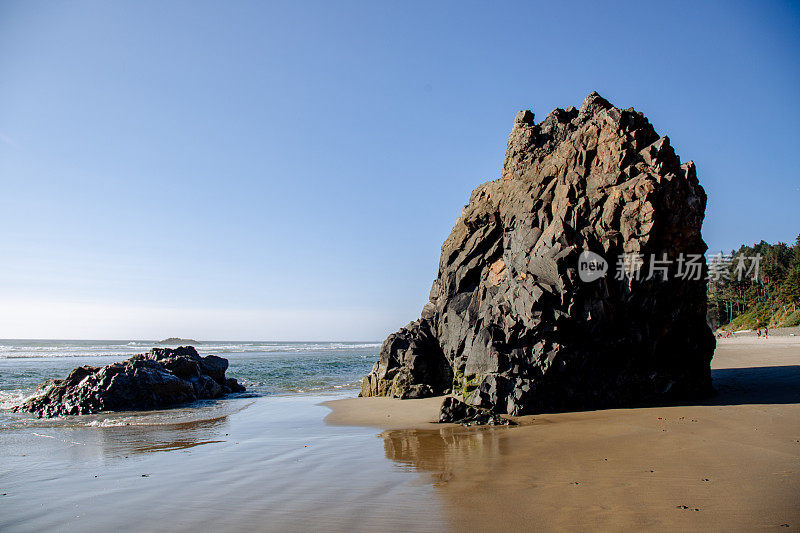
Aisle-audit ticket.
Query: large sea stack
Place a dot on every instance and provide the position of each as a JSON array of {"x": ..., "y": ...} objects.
[{"x": 513, "y": 326}]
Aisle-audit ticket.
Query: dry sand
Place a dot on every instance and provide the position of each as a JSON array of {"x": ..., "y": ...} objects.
[{"x": 731, "y": 464}]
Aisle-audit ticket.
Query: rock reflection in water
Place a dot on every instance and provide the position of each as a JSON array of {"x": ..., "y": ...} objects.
[
  {"x": 135, "y": 439},
  {"x": 444, "y": 451}
]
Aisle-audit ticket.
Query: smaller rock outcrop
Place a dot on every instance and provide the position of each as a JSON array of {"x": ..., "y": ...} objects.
[
  {"x": 411, "y": 365},
  {"x": 159, "y": 378},
  {"x": 177, "y": 341},
  {"x": 457, "y": 412}
]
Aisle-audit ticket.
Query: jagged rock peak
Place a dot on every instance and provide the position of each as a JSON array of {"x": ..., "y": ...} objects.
[{"x": 530, "y": 143}]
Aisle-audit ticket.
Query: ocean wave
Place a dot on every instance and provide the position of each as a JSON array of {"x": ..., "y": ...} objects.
[
  {"x": 10, "y": 398},
  {"x": 278, "y": 348},
  {"x": 343, "y": 386},
  {"x": 66, "y": 355},
  {"x": 127, "y": 349},
  {"x": 110, "y": 422}
]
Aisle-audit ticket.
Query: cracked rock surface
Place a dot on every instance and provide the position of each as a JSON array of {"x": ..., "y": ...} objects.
[
  {"x": 159, "y": 378},
  {"x": 512, "y": 328}
]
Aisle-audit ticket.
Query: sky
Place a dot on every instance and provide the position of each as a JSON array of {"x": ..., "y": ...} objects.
[{"x": 289, "y": 170}]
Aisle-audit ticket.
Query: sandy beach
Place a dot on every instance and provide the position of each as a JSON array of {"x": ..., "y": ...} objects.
[{"x": 731, "y": 464}]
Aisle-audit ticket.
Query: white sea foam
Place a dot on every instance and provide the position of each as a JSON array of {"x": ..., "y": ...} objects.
[
  {"x": 124, "y": 349},
  {"x": 9, "y": 399},
  {"x": 110, "y": 422}
]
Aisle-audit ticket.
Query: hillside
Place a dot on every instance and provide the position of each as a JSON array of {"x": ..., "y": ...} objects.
[{"x": 745, "y": 293}]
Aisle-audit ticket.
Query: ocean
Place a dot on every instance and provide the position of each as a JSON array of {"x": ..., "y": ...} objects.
[{"x": 265, "y": 368}]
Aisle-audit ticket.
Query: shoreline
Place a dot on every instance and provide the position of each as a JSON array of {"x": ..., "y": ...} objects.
[{"x": 270, "y": 463}]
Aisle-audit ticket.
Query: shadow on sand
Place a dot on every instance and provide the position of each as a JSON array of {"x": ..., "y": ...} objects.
[{"x": 756, "y": 385}]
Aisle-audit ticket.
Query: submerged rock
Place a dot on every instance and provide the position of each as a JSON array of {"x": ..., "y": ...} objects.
[
  {"x": 514, "y": 327},
  {"x": 159, "y": 378}
]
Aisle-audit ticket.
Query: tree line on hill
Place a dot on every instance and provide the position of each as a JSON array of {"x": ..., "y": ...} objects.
[{"x": 755, "y": 286}]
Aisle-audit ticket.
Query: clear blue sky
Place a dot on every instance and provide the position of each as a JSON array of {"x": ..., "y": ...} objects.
[{"x": 255, "y": 170}]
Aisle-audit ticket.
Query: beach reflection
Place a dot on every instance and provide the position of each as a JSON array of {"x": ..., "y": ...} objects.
[
  {"x": 122, "y": 434},
  {"x": 442, "y": 451},
  {"x": 139, "y": 439}
]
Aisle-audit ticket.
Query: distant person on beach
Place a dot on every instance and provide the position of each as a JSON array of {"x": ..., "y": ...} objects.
[
  {"x": 758, "y": 333},
  {"x": 766, "y": 333}
]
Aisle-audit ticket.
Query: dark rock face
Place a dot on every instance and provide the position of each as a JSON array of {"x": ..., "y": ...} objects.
[
  {"x": 456, "y": 411},
  {"x": 511, "y": 327},
  {"x": 159, "y": 378},
  {"x": 411, "y": 365}
]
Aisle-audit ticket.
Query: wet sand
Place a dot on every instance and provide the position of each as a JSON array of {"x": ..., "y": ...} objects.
[
  {"x": 732, "y": 464},
  {"x": 263, "y": 464},
  {"x": 385, "y": 413}
]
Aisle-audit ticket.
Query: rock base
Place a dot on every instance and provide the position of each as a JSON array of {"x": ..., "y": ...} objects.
[{"x": 457, "y": 412}]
